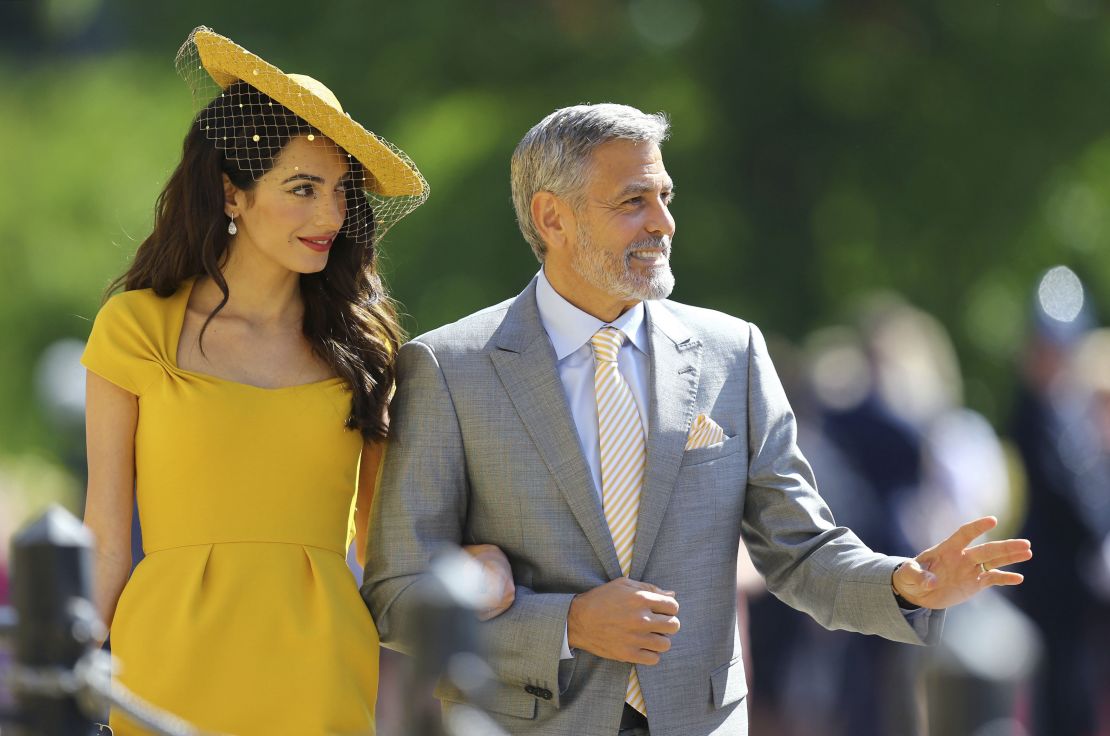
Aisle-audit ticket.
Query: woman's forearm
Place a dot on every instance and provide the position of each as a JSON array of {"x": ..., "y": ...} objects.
[{"x": 110, "y": 575}]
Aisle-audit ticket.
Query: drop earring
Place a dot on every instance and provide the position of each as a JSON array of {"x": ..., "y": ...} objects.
[{"x": 231, "y": 228}]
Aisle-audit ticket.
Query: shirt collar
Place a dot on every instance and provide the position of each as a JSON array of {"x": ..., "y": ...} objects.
[{"x": 570, "y": 328}]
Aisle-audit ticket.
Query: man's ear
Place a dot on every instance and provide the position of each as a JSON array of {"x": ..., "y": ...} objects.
[
  {"x": 234, "y": 198},
  {"x": 554, "y": 219}
]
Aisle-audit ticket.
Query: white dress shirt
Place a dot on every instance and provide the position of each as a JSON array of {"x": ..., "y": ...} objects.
[{"x": 570, "y": 330}]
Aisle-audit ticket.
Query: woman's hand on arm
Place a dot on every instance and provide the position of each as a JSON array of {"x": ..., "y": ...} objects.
[
  {"x": 499, "y": 578},
  {"x": 111, "y": 415}
]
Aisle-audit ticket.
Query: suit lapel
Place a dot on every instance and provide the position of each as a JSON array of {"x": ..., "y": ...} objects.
[
  {"x": 525, "y": 363},
  {"x": 675, "y": 361}
]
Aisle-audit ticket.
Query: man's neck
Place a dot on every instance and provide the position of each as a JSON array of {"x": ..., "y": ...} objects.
[{"x": 586, "y": 297}]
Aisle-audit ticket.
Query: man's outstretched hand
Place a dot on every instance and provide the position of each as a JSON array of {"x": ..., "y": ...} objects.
[{"x": 950, "y": 573}]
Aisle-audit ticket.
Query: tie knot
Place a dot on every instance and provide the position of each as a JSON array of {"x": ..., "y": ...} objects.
[{"x": 607, "y": 343}]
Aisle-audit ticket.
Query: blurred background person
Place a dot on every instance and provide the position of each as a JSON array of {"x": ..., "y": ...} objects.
[
  {"x": 799, "y": 668},
  {"x": 967, "y": 684},
  {"x": 897, "y": 456},
  {"x": 1058, "y": 424},
  {"x": 1092, "y": 369},
  {"x": 867, "y": 461}
]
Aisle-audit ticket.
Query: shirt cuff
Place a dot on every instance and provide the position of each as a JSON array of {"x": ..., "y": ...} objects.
[
  {"x": 919, "y": 620},
  {"x": 566, "y": 653}
]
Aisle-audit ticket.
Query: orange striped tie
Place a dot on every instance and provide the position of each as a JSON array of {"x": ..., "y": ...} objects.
[{"x": 623, "y": 458}]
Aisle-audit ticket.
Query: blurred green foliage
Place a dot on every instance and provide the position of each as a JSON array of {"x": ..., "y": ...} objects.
[{"x": 948, "y": 150}]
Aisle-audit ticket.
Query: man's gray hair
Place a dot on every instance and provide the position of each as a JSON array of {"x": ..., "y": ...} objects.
[{"x": 555, "y": 155}]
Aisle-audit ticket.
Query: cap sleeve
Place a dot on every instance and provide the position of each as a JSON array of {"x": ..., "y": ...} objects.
[{"x": 120, "y": 347}]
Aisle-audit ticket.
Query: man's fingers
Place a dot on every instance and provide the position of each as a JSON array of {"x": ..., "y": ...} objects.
[
  {"x": 637, "y": 584},
  {"x": 999, "y": 554},
  {"x": 988, "y": 550},
  {"x": 659, "y": 603},
  {"x": 656, "y": 643},
  {"x": 648, "y": 648},
  {"x": 1009, "y": 559},
  {"x": 641, "y": 585},
  {"x": 668, "y": 625},
  {"x": 657, "y": 624},
  {"x": 1001, "y": 577},
  {"x": 972, "y": 529},
  {"x": 1004, "y": 560}
]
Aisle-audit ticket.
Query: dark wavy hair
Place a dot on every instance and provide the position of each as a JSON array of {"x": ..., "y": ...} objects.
[{"x": 348, "y": 318}]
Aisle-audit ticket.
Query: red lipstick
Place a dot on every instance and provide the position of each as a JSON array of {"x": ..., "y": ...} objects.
[{"x": 318, "y": 243}]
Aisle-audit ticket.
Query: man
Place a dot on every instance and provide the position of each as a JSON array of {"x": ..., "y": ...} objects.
[{"x": 615, "y": 446}]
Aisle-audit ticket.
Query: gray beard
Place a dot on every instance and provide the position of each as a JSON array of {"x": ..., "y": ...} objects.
[{"x": 613, "y": 274}]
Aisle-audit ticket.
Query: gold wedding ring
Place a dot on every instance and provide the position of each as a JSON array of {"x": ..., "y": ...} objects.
[{"x": 983, "y": 567}]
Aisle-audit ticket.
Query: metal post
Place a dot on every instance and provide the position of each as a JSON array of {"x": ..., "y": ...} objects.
[
  {"x": 51, "y": 593},
  {"x": 448, "y": 646}
]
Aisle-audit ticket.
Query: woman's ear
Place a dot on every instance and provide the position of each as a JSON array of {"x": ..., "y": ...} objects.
[{"x": 233, "y": 198}]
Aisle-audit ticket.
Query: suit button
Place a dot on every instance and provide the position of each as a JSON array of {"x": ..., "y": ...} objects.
[
  {"x": 545, "y": 694},
  {"x": 529, "y": 689}
]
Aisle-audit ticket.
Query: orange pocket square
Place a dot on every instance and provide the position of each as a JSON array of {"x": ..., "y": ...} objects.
[{"x": 704, "y": 433}]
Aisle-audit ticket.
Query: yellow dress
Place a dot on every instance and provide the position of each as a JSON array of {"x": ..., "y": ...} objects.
[{"x": 243, "y": 617}]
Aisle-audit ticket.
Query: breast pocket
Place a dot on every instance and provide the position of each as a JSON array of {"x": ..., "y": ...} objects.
[
  {"x": 710, "y": 485},
  {"x": 705, "y": 455}
]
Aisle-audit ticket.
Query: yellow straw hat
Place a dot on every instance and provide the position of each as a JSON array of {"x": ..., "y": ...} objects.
[{"x": 392, "y": 174}]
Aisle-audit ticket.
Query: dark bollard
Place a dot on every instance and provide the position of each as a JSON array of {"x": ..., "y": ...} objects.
[
  {"x": 52, "y": 592},
  {"x": 448, "y": 649}
]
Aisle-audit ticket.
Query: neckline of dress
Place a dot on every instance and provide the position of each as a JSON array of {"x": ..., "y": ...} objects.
[{"x": 178, "y": 325}]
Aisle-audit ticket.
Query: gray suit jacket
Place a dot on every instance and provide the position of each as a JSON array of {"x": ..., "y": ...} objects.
[{"x": 484, "y": 449}]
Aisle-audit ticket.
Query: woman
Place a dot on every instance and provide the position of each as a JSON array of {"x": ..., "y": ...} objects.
[{"x": 235, "y": 384}]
